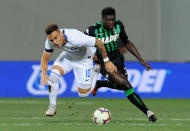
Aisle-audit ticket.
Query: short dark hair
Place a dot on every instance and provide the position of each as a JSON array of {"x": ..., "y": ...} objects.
[
  {"x": 51, "y": 28},
  {"x": 108, "y": 11}
]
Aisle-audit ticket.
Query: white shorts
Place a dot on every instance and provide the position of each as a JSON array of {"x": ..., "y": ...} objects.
[{"x": 82, "y": 68}]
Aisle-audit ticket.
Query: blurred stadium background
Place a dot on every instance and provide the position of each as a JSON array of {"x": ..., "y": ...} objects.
[{"x": 160, "y": 29}]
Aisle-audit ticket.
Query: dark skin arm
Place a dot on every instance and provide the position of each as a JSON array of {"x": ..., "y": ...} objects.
[{"x": 132, "y": 49}]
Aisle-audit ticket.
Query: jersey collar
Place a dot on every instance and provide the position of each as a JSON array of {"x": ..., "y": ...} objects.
[{"x": 66, "y": 38}]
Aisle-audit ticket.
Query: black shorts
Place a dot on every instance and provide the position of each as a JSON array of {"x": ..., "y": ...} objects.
[{"x": 119, "y": 63}]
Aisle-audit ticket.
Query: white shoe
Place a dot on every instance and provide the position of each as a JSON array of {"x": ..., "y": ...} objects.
[
  {"x": 51, "y": 110},
  {"x": 151, "y": 116}
]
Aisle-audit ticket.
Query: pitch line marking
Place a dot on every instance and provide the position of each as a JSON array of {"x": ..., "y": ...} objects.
[
  {"x": 60, "y": 118},
  {"x": 86, "y": 124}
]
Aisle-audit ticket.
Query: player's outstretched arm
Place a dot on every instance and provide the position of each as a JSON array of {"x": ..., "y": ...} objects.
[
  {"x": 44, "y": 67},
  {"x": 110, "y": 67},
  {"x": 132, "y": 49}
]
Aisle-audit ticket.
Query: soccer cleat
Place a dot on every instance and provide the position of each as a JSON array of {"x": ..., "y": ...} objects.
[
  {"x": 94, "y": 91},
  {"x": 95, "y": 74},
  {"x": 51, "y": 110},
  {"x": 151, "y": 116}
]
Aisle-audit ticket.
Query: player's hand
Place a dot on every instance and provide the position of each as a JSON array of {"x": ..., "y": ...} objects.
[
  {"x": 148, "y": 67},
  {"x": 110, "y": 67},
  {"x": 95, "y": 58},
  {"x": 44, "y": 80}
]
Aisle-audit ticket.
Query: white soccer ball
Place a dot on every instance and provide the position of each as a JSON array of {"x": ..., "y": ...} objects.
[{"x": 102, "y": 116}]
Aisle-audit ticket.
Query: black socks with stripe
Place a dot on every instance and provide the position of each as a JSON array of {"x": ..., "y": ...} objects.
[{"x": 136, "y": 100}]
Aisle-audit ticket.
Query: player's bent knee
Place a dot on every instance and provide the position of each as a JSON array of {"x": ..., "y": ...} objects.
[
  {"x": 83, "y": 95},
  {"x": 54, "y": 76},
  {"x": 58, "y": 68},
  {"x": 84, "y": 90}
]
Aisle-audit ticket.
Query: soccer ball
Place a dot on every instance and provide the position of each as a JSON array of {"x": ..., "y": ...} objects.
[{"x": 101, "y": 116}]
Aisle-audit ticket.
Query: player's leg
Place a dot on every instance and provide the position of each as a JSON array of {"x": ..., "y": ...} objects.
[
  {"x": 120, "y": 82},
  {"x": 123, "y": 84},
  {"x": 60, "y": 67},
  {"x": 84, "y": 89},
  {"x": 103, "y": 83},
  {"x": 53, "y": 86},
  {"x": 95, "y": 86},
  {"x": 106, "y": 83}
]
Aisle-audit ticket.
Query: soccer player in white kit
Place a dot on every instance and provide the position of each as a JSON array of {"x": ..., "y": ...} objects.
[{"x": 77, "y": 56}]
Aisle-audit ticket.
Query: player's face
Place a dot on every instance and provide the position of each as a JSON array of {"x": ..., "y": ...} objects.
[
  {"x": 109, "y": 21},
  {"x": 57, "y": 38}
]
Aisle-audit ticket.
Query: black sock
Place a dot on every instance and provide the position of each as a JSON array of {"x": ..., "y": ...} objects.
[
  {"x": 136, "y": 100},
  {"x": 102, "y": 83},
  {"x": 105, "y": 83}
]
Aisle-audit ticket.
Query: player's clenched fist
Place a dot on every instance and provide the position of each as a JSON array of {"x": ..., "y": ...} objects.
[
  {"x": 110, "y": 67},
  {"x": 44, "y": 79}
]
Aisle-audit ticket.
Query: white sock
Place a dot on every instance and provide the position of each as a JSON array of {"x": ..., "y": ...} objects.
[
  {"x": 95, "y": 74},
  {"x": 54, "y": 83}
]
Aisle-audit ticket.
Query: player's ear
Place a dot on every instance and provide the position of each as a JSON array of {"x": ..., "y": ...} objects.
[{"x": 103, "y": 18}]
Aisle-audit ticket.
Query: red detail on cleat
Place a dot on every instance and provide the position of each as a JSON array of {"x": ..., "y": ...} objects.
[
  {"x": 51, "y": 115},
  {"x": 94, "y": 91}
]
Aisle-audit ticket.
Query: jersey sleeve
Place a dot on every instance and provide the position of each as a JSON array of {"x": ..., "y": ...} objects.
[
  {"x": 80, "y": 39},
  {"x": 49, "y": 47},
  {"x": 123, "y": 36},
  {"x": 90, "y": 31}
]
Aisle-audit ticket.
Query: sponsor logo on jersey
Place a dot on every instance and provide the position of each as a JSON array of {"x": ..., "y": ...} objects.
[
  {"x": 74, "y": 48},
  {"x": 70, "y": 48},
  {"x": 110, "y": 39}
]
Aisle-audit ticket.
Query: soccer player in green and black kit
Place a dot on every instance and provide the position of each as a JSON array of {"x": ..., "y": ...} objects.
[{"x": 109, "y": 30}]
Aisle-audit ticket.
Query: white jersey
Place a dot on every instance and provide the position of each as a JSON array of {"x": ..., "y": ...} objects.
[{"x": 77, "y": 44}]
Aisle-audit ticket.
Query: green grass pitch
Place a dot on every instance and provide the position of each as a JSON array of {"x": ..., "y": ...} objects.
[{"x": 76, "y": 115}]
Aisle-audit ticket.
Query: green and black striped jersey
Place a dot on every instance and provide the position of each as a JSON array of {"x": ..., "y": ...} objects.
[{"x": 109, "y": 37}]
